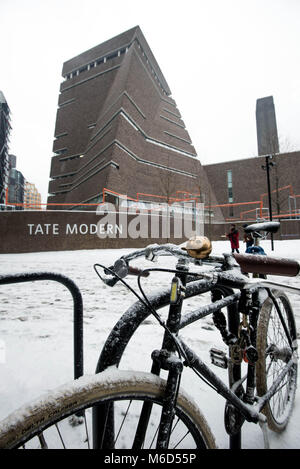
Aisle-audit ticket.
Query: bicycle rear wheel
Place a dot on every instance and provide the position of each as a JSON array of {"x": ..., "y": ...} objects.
[
  {"x": 45, "y": 424},
  {"x": 276, "y": 341}
]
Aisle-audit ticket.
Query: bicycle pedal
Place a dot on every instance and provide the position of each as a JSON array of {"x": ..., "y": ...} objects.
[{"x": 218, "y": 358}]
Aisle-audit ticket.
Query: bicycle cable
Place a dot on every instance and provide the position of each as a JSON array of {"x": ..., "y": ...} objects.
[
  {"x": 148, "y": 305},
  {"x": 188, "y": 363}
]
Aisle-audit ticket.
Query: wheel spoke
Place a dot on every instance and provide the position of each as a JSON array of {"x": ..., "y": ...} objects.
[
  {"x": 60, "y": 436},
  {"x": 123, "y": 421},
  {"x": 86, "y": 431},
  {"x": 154, "y": 436},
  {"x": 42, "y": 440},
  {"x": 180, "y": 441}
]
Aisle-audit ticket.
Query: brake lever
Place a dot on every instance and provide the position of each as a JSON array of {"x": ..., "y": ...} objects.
[
  {"x": 120, "y": 268},
  {"x": 110, "y": 282},
  {"x": 118, "y": 271}
]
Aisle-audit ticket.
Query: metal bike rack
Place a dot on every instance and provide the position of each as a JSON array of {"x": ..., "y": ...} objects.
[{"x": 77, "y": 302}]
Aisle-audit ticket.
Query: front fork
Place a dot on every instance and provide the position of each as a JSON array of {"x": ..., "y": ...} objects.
[
  {"x": 167, "y": 359},
  {"x": 174, "y": 366}
]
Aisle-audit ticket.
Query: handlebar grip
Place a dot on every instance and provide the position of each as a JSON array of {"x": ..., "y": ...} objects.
[
  {"x": 257, "y": 264},
  {"x": 122, "y": 268},
  {"x": 136, "y": 271}
]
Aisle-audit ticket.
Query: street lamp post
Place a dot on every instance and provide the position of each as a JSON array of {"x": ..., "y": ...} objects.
[{"x": 267, "y": 168}]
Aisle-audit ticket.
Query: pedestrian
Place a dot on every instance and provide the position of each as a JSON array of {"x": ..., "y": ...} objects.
[
  {"x": 248, "y": 238},
  {"x": 233, "y": 236}
]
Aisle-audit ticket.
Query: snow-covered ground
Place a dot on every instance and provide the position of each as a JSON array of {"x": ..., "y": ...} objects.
[{"x": 36, "y": 332}]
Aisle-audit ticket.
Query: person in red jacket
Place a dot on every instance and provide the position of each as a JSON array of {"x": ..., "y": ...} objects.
[{"x": 233, "y": 236}]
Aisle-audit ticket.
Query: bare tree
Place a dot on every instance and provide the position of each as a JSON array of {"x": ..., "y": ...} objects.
[
  {"x": 275, "y": 148},
  {"x": 168, "y": 191},
  {"x": 278, "y": 176}
]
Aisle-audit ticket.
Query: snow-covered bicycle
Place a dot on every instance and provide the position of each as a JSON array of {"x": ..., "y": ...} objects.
[{"x": 140, "y": 410}]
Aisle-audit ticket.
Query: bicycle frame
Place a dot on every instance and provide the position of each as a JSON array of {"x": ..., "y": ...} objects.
[
  {"x": 252, "y": 414},
  {"x": 122, "y": 332}
]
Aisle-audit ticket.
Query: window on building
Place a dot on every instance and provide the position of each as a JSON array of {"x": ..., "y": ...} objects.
[
  {"x": 83, "y": 69},
  {"x": 112, "y": 56},
  {"x": 61, "y": 151},
  {"x": 229, "y": 186}
]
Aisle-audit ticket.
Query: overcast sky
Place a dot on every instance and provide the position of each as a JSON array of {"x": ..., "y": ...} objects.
[{"x": 218, "y": 57}]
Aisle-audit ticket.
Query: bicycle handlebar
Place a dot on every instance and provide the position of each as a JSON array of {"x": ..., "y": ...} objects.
[
  {"x": 230, "y": 273},
  {"x": 153, "y": 251},
  {"x": 268, "y": 265},
  {"x": 121, "y": 269},
  {"x": 136, "y": 271}
]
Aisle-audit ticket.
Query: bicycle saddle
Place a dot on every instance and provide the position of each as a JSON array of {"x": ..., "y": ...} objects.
[
  {"x": 198, "y": 247},
  {"x": 269, "y": 226}
]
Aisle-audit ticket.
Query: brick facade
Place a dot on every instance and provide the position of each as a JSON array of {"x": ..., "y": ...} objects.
[
  {"x": 118, "y": 128},
  {"x": 249, "y": 184}
]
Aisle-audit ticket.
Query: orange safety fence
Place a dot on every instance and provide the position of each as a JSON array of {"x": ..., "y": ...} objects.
[
  {"x": 105, "y": 191},
  {"x": 188, "y": 197},
  {"x": 279, "y": 189}
]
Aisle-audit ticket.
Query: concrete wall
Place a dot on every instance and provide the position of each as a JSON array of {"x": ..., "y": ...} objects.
[
  {"x": 36, "y": 231},
  {"x": 55, "y": 231}
]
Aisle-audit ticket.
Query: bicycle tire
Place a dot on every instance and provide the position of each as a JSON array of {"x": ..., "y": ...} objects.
[
  {"x": 111, "y": 385},
  {"x": 270, "y": 333}
]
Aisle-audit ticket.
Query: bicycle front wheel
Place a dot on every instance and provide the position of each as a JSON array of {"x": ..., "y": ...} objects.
[
  {"x": 276, "y": 343},
  {"x": 46, "y": 422}
]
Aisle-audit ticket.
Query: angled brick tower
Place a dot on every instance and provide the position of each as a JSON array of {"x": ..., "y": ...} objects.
[{"x": 118, "y": 131}]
